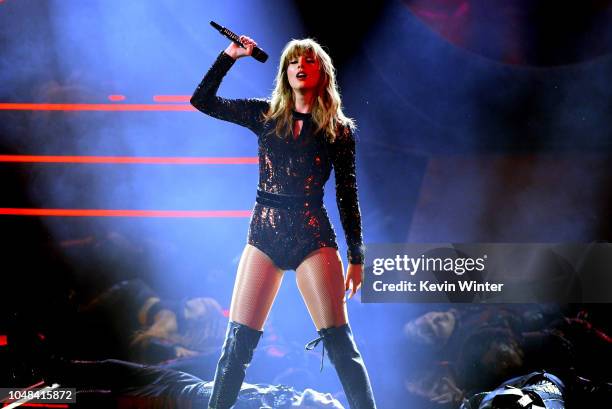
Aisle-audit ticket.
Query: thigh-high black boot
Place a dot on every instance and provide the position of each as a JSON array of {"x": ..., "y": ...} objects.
[
  {"x": 345, "y": 357},
  {"x": 236, "y": 355}
]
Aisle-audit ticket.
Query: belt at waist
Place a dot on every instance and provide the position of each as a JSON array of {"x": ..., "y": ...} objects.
[{"x": 285, "y": 201}]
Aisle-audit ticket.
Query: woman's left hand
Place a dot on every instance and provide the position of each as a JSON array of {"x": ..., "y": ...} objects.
[{"x": 353, "y": 276}]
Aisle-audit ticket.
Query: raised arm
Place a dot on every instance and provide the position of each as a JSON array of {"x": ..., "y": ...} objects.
[
  {"x": 245, "y": 112},
  {"x": 343, "y": 158}
]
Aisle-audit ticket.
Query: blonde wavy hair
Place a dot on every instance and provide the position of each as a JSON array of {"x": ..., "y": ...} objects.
[{"x": 327, "y": 108}]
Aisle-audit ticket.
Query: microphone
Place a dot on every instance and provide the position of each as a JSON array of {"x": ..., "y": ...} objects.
[{"x": 259, "y": 54}]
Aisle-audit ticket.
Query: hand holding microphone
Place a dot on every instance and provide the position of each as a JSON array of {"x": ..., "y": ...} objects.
[
  {"x": 235, "y": 51},
  {"x": 240, "y": 46}
]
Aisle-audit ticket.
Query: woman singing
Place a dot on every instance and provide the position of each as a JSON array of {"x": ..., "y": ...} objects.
[{"x": 302, "y": 134}]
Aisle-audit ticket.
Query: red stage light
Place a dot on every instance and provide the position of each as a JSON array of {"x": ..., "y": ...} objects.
[
  {"x": 116, "y": 97},
  {"x": 161, "y": 160},
  {"x": 44, "y": 405},
  {"x": 124, "y": 213},
  {"x": 171, "y": 98},
  {"x": 93, "y": 107}
]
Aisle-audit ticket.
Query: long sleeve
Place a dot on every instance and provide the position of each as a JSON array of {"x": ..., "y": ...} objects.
[
  {"x": 245, "y": 112},
  {"x": 343, "y": 159}
]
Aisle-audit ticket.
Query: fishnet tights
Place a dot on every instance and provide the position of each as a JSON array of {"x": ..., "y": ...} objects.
[{"x": 319, "y": 277}]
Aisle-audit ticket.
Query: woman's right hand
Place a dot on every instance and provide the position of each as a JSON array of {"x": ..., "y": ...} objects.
[{"x": 235, "y": 51}]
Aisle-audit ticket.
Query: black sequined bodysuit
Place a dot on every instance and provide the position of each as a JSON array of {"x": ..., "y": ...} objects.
[{"x": 294, "y": 167}]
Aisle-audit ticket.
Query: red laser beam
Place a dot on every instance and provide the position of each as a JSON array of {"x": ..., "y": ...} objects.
[
  {"x": 43, "y": 405},
  {"x": 171, "y": 98},
  {"x": 116, "y": 97},
  {"x": 130, "y": 160},
  {"x": 93, "y": 107},
  {"x": 124, "y": 213}
]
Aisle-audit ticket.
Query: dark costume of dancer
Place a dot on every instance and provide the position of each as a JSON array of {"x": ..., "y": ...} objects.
[
  {"x": 114, "y": 383},
  {"x": 289, "y": 222},
  {"x": 543, "y": 390}
]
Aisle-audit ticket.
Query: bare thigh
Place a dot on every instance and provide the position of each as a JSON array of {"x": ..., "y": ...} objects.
[
  {"x": 257, "y": 283},
  {"x": 320, "y": 278}
]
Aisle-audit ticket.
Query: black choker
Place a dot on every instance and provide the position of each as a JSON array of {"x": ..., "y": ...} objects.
[{"x": 300, "y": 115}]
